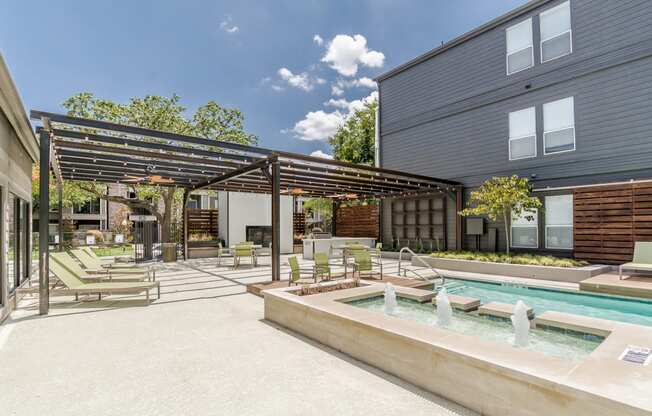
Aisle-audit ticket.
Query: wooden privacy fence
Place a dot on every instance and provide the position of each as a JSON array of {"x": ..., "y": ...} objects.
[
  {"x": 608, "y": 220},
  {"x": 202, "y": 221},
  {"x": 357, "y": 221}
]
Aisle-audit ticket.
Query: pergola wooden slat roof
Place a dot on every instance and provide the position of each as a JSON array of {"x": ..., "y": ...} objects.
[
  {"x": 79, "y": 149},
  {"x": 91, "y": 150}
]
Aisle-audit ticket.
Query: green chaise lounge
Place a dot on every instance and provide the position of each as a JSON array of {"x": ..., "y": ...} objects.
[
  {"x": 111, "y": 262},
  {"x": 69, "y": 263},
  {"x": 94, "y": 265},
  {"x": 106, "y": 262},
  {"x": 76, "y": 286},
  {"x": 642, "y": 259}
]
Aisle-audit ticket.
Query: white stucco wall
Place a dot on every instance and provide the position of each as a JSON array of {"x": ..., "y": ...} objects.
[{"x": 252, "y": 209}]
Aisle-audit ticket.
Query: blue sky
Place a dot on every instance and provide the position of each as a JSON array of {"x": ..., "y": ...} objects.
[{"x": 259, "y": 56}]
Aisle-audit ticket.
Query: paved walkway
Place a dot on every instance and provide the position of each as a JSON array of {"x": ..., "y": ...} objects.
[{"x": 202, "y": 349}]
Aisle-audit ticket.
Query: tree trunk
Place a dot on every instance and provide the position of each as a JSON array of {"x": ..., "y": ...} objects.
[
  {"x": 166, "y": 224},
  {"x": 507, "y": 239}
]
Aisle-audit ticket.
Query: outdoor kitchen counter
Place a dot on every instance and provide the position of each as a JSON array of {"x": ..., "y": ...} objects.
[{"x": 332, "y": 245}]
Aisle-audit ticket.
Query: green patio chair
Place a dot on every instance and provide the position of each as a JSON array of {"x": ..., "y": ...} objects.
[
  {"x": 364, "y": 263},
  {"x": 377, "y": 251},
  {"x": 243, "y": 251},
  {"x": 322, "y": 266},
  {"x": 76, "y": 285},
  {"x": 223, "y": 252},
  {"x": 93, "y": 265},
  {"x": 642, "y": 259},
  {"x": 349, "y": 253},
  {"x": 69, "y": 263},
  {"x": 296, "y": 272}
]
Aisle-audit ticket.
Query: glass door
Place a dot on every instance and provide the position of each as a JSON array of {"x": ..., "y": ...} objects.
[{"x": 11, "y": 236}]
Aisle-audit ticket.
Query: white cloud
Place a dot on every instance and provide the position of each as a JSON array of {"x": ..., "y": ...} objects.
[
  {"x": 302, "y": 81},
  {"x": 351, "y": 106},
  {"x": 228, "y": 26},
  {"x": 277, "y": 88},
  {"x": 366, "y": 83},
  {"x": 338, "y": 87},
  {"x": 318, "y": 40},
  {"x": 318, "y": 125},
  {"x": 339, "y": 103},
  {"x": 345, "y": 53},
  {"x": 336, "y": 90},
  {"x": 319, "y": 153}
]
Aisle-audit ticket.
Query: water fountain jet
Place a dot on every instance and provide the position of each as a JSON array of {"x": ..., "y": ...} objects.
[
  {"x": 521, "y": 324},
  {"x": 390, "y": 299},
  {"x": 444, "y": 309}
]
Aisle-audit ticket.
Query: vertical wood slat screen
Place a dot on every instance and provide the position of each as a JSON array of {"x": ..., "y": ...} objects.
[
  {"x": 358, "y": 221},
  {"x": 202, "y": 221}
]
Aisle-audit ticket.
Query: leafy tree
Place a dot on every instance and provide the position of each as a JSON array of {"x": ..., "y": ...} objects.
[
  {"x": 322, "y": 206},
  {"x": 355, "y": 141},
  {"x": 499, "y": 197},
  {"x": 210, "y": 121}
]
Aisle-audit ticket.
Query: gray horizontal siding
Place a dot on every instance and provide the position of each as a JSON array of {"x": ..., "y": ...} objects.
[
  {"x": 613, "y": 121},
  {"x": 478, "y": 65}
]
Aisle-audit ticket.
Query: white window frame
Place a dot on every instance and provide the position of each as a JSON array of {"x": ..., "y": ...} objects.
[
  {"x": 529, "y": 21},
  {"x": 572, "y": 226},
  {"x": 546, "y": 153},
  {"x": 509, "y": 143},
  {"x": 535, "y": 226},
  {"x": 569, "y": 31}
]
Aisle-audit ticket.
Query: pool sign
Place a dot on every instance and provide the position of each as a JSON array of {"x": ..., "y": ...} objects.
[{"x": 636, "y": 355}]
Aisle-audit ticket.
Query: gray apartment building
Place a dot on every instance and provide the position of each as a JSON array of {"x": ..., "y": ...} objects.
[
  {"x": 556, "y": 91},
  {"x": 18, "y": 151}
]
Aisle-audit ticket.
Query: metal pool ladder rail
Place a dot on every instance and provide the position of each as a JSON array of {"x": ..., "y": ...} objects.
[{"x": 418, "y": 272}]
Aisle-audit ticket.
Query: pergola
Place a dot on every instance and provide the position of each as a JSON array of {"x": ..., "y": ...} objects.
[{"x": 78, "y": 149}]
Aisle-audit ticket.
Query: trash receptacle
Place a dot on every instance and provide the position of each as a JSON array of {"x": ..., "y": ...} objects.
[{"x": 169, "y": 252}]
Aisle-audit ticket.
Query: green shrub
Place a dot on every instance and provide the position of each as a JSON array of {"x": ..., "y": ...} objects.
[{"x": 527, "y": 259}]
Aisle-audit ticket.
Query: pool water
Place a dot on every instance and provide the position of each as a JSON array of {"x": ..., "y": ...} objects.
[
  {"x": 631, "y": 311},
  {"x": 572, "y": 347}
]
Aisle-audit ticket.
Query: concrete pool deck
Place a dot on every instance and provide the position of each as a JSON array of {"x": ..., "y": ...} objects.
[
  {"x": 488, "y": 377},
  {"x": 202, "y": 349}
]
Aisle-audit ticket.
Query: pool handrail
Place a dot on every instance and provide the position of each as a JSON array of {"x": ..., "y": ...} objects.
[{"x": 419, "y": 259}]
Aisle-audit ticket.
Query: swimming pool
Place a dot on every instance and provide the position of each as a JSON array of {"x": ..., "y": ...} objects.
[
  {"x": 631, "y": 311},
  {"x": 561, "y": 345}
]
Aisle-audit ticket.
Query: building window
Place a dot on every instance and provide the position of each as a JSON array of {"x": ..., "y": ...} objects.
[
  {"x": 194, "y": 202},
  {"x": 520, "y": 51},
  {"x": 525, "y": 232},
  {"x": 559, "y": 222},
  {"x": 212, "y": 202},
  {"x": 522, "y": 134},
  {"x": 559, "y": 126},
  {"x": 556, "y": 32},
  {"x": 89, "y": 207}
]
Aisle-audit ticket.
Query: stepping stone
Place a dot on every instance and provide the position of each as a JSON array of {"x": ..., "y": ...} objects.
[
  {"x": 501, "y": 310},
  {"x": 461, "y": 303}
]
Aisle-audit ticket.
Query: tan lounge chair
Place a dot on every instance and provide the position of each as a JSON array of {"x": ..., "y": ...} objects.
[
  {"x": 69, "y": 263},
  {"x": 642, "y": 259},
  {"x": 76, "y": 286},
  {"x": 107, "y": 262},
  {"x": 94, "y": 265}
]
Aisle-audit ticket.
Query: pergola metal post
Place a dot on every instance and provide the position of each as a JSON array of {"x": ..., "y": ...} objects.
[
  {"x": 458, "y": 218},
  {"x": 60, "y": 207},
  {"x": 43, "y": 223},
  {"x": 334, "y": 208},
  {"x": 276, "y": 220},
  {"x": 186, "y": 194}
]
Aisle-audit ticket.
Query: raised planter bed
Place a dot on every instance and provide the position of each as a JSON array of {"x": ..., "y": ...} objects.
[
  {"x": 559, "y": 274},
  {"x": 201, "y": 252},
  {"x": 394, "y": 255}
]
